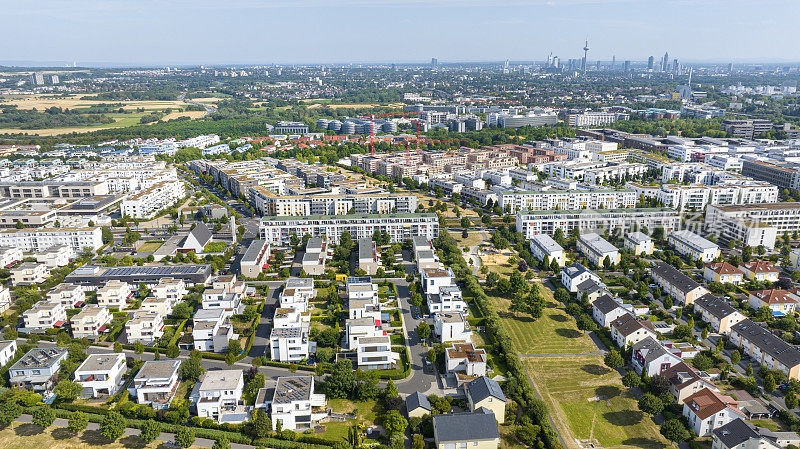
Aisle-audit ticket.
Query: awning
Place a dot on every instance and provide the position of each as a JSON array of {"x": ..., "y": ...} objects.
[
  {"x": 58, "y": 323},
  {"x": 102, "y": 328}
]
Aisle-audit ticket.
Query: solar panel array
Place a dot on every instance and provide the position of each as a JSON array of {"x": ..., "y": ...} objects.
[{"x": 154, "y": 271}]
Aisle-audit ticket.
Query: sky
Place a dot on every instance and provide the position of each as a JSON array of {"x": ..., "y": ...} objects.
[{"x": 219, "y": 32}]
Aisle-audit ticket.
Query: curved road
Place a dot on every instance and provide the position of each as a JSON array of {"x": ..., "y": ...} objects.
[{"x": 210, "y": 108}]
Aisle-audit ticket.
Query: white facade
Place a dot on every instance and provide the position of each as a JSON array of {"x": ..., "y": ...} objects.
[
  {"x": 39, "y": 240},
  {"x": 639, "y": 243},
  {"x": 693, "y": 246},
  {"x": 451, "y": 327},
  {"x": 28, "y": 273},
  {"x": 542, "y": 245},
  {"x": 90, "y": 322},
  {"x": 550, "y": 200},
  {"x": 145, "y": 327},
  {"x": 219, "y": 396},
  {"x": 597, "y": 249},
  {"x": 44, "y": 315},
  {"x": 156, "y": 383},
  {"x": 145, "y": 203},
  {"x": 101, "y": 374}
]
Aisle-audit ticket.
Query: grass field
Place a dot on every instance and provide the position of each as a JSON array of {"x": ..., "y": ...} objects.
[
  {"x": 26, "y": 436},
  {"x": 474, "y": 239},
  {"x": 554, "y": 333},
  {"x": 587, "y": 400},
  {"x": 365, "y": 412},
  {"x": 149, "y": 247}
]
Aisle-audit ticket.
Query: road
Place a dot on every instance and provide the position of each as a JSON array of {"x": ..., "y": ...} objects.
[
  {"x": 418, "y": 379},
  {"x": 210, "y": 108}
]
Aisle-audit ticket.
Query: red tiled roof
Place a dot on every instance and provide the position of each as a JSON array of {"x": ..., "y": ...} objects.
[
  {"x": 774, "y": 296},
  {"x": 707, "y": 402},
  {"x": 760, "y": 266},
  {"x": 723, "y": 268}
]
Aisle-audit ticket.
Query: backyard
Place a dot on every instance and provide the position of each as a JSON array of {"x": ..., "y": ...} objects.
[
  {"x": 25, "y": 436},
  {"x": 587, "y": 400}
]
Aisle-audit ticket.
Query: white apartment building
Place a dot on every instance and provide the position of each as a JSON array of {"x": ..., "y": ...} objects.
[
  {"x": 698, "y": 196},
  {"x": 314, "y": 257},
  {"x": 597, "y": 249},
  {"x": 38, "y": 369},
  {"x": 451, "y": 327},
  {"x": 90, "y": 322},
  {"x": 464, "y": 358},
  {"x": 226, "y": 293},
  {"x": 162, "y": 307},
  {"x": 295, "y": 404},
  {"x": 278, "y": 230},
  {"x": 101, "y": 374},
  {"x": 268, "y": 203},
  {"x": 531, "y": 223},
  {"x": 171, "y": 289},
  {"x": 289, "y": 344},
  {"x": 9, "y": 256},
  {"x": 55, "y": 256},
  {"x": 156, "y": 383},
  {"x": 5, "y": 299},
  {"x": 693, "y": 246},
  {"x": 212, "y": 330},
  {"x": 28, "y": 273},
  {"x": 639, "y": 243},
  {"x": 38, "y": 240},
  {"x": 219, "y": 396},
  {"x": 375, "y": 353},
  {"x": 614, "y": 171},
  {"x": 441, "y": 291},
  {"x": 44, "y": 315},
  {"x": 145, "y": 327},
  {"x": 755, "y": 224},
  {"x": 7, "y": 350},
  {"x": 575, "y": 275},
  {"x": 296, "y": 293},
  {"x": 542, "y": 245},
  {"x": 551, "y": 200},
  {"x": 70, "y": 296},
  {"x": 145, "y": 203},
  {"x": 114, "y": 294}
]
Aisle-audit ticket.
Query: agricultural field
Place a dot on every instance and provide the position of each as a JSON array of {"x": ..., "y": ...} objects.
[{"x": 587, "y": 401}]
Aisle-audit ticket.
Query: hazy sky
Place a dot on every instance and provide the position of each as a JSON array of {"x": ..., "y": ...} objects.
[{"x": 331, "y": 31}]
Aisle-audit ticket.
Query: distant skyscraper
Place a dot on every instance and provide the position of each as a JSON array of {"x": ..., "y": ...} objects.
[
  {"x": 54, "y": 79},
  {"x": 730, "y": 67},
  {"x": 434, "y": 62},
  {"x": 676, "y": 67},
  {"x": 665, "y": 62},
  {"x": 613, "y": 61},
  {"x": 555, "y": 61},
  {"x": 627, "y": 66},
  {"x": 37, "y": 79},
  {"x": 650, "y": 63},
  {"x": 585, "y": 55}
]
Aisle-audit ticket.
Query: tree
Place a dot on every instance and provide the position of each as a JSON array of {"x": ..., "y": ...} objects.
[
  {"x": 68, "y": 390},
  {"x": 749, "y": 370},
  {"x": 417, "y": 442},
  {"x": 182, "y": 311},
  {"x": 394, "y": 423},
  {"x": 769, "y": 383},
  {"x": 112, "y": 426},
  {"x": 674, "y": 430},
  {"x": 649, "y": 403},
  {"x": 790, "y": 400},
  {"x": 138, "y": 347},
  {"x": 232, "y": 352},
  {"x": 424, "y": 330},
  {"x": 465, "y": 222},
  {"x": 342, "y": 380},
  {"x": 614, "y": 360},
  {"x": 191, "y": 369},
  {"x": 78, "y": 422},
  {"x": 391, "y": 390},
  {"x": 184, "y": 437},
  {"x": 261, "y": 424},
  {"x": 736, "y": 357},
  {"x": 107, "y": 235},
  {"x": 631, "y": 379},
  {"x": 353, "y": 438},
  {"x": 173, "y": 351},
  {"x": 150, "y": 431},
  {"x": 44, "y": 416},
  {"x": 221, "y": 443}
]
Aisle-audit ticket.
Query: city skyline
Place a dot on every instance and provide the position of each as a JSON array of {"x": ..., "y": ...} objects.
[{"x": 357, "y": 31}]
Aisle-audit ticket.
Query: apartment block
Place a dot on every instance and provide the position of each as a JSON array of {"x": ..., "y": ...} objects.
[
  {"x": 693, "y": 246},
  {"x": 156, "y": 383},
  {"x": 114, "y": 294},
  {"x": 44, "y": 315},
  {"x": 531, "y": 223},
  {"x": 100, "y": 375},
  {"x": 145, "y": 327},
  {"x": 90, "y": 322}
]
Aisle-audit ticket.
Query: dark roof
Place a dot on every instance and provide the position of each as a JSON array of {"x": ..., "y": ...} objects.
[
  {"x": 767, "y": 342},
  {"x": 575, "y": 270},
  {"x": 628, "y": 324},
  {"x": 681, "y": 375},
  {"x": 416, "y": 400},
  {"x": 471, "y": 426},
  {"x": 605, "y": 304},
  {"x": 735, "y": 433},
  {"x": 652, "y": 349},
  {"x": 589, "y": 286},
  {"x": 675, "y": 277},
  {"x": 201, "y": 233},
  {"x": 715, "y": 306},
  {"x": 483, "y": 387}
]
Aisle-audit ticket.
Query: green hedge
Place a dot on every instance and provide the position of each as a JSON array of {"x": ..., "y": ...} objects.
[{"x": 174, "y": 340}]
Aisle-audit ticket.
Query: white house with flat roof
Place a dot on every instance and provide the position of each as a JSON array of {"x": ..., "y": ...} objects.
[
  {"x": 28, "y": 273},
  {"x": 7, "y": 350},
  {"x": 219, "y": 396},
  {"x": 145, "y": 327},
  {"x": 542, "y": 245},
  {"x": 212, "y": 330},
  {"x": 44, "y": 315},
  {"x": 70, "y": 296},
  {"x": 38, "y": 369},
  {"x": 114, "y": 294},
  {"x": 90, "y": 322},
  {"x": 56, "y": 256},
  {"x": 295, "y": 404},
  {"x": 156, "y": 383},
  {"x": 451, "y": 326},
  {"x": 639, "y": 243},
  {"x": 597, "y": 249},
  {"x": 289, "y": 344},
  {"x": 101, "y": 374},
  {"x": 693, "y": 246}
]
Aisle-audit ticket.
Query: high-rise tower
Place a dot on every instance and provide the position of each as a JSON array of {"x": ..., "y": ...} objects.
[{"x": 585, "y": 55}]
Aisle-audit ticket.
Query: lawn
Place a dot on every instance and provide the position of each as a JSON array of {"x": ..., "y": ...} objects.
[
  {"x": 215, "y": 247},
  {"x": 474, "y": 239},
  {"x": 554, "y": 333},
  {"x": 587, "y": 400},
  {"x": 365, "y": 412},
  {"x": 25, "y": 436},
  {"x": 150, "y": 247}
]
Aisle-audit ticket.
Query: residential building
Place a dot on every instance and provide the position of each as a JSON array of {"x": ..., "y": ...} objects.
[
  {"x": 628, "y": 330},
  {"x": 56, "y": 256},
  {"x": 605, "y": 310},
  {"x": 101, "y": 374},
  {"x": 114, "y": 294},
  {"x": 196, "y": 240},
  {"x": 765, "y": 348},
  {"x": 295, "y": 404},
  {"x": 212, "y": 330},
  {"x": 296, "y": 293},
  {"x": 40, "y": 239},
  {"x": 225, "y": 292},
  {"x": 314, "y": 257},
  {"x": 484, "y": 392},
  {"x": 721, "y": 315},
  {"x": 255, "y": 259},
  {"x": 451, "y": 326},
  {"x": 9, "y": 255},
  {"x": 417, "y": 405},
  {"x": 470, "y": 429},
  {"x": 289, "y": 344},
  {"x": 171, "y": 289},
  {"x": 5, "y": 299},
  {"x": 542, "y": 245},
  {"x": 156, "y": 383},
  {"x": 7, "y": 350},
  {"x": 145, "y": 327},
  {"x": 90, "y": 322},
  {"x": 650, "y": 357},
  {"x": 723, "y": 272},
  {"x": 440, "y": 289},
  {"x": 693, "y": 246},
  {"x": 639, "y": 243},
  {"x": 531, "y": 223},
  {"x": 148, "y": 275},
  {"x": 685, "y": 380},
  {"x": 753, "y": 224},
  {"x": 399, "y": 227},
  {"x": 28, "y": 273},
  {"x": 566, "y": 200},
  {"x": 707, "y": 410},
  {"x": 575, "y": 275},
  {"x": 740, "y": 434},
  {"x": 219, "y": 396},
  {"x": 368, "y": 257},
  {"x": 147, "y": 202},
  {"x": 598, "y": 250},
  {"x": 760, "y": 270},
  {"x": 780, "y": 302},
  {"x": 43, "y": 316},
  {"x": 673, "y": 282},
  {"x": 71, "y": 296},
  {"x": 464, "y": 359},
  {"x": 37, "y": 370}
]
